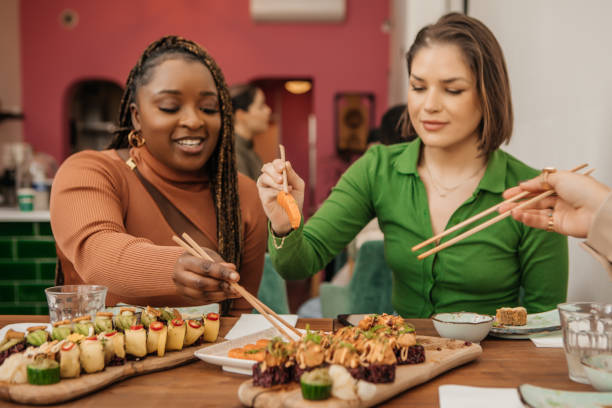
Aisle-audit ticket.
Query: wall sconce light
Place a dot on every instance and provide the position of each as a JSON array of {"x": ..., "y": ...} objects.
[{"x": 298, "y": 87}]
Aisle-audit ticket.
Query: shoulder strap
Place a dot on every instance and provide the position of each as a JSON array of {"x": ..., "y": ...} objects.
[{"x": 174, "y": 217}]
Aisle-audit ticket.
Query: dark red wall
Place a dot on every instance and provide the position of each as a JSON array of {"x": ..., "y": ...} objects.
[{"x": 111, "y": 34}]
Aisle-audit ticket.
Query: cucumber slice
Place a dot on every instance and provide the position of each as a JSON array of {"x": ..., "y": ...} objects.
[
  {"x": 316, "y": 384},
  {"x": 43, "y": 372}
]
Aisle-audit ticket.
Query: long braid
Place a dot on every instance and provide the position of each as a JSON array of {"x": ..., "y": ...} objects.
[{"x": 222, "y": 167}]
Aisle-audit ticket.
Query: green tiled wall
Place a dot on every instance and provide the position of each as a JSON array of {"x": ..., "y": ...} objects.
[{"x": 27, "y": 266}]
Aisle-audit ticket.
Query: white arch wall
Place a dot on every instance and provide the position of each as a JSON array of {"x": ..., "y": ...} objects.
[{"x": 559, "y": 56}]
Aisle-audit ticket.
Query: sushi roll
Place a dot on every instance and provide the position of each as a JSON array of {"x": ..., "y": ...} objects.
[
  {"x": 37, "y": 335},
  {"x": 377, "y": 362},
  {"x": 278, "y": 364},
  {"x": 156, "y": 338},
  {"x": 125, "y": 319},
  {"x": 92, "y": 355},
  {"x": 136, "y": 341},
  {"x": 13, "y": 342},
  {"x": 176, "y": 334},
  {"x": 103, "y": 322},
  {"x": 83, "y": 325},
  {"x": 61, "y": 330},
  {"x": 43, "y": 371},
  {"x": 114, "y": 348},
  {"x": 70, "y": 367},
  {"x": 149, "y": 315},
  {"x": 194, "y": 332},
  {"x": 309, "y": 354},
  {"x": 406, "y": 349},
  {"x": 211, "y": 327}
]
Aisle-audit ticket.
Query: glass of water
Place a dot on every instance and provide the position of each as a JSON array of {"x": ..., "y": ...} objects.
[
  {"x": 70, "y": 301},
  {"x": 587, "y": 330}
]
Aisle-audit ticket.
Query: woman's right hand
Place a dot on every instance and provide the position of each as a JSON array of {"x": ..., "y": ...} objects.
[
  {"x": 269, "y": 184},
  {"x": 205, "y": 281},
  {"x": 577, "y": 199}
]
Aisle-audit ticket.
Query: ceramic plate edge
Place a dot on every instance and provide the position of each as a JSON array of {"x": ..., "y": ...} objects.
[{"x": 22, "y": 327}]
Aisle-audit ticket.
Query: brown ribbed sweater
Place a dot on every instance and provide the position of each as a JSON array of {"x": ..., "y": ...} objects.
[{"x": 109, "y": 230}]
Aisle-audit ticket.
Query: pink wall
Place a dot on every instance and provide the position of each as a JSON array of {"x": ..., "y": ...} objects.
[{"x": 111, "y": 34}]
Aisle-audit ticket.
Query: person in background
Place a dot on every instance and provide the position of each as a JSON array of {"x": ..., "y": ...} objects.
[
  {"x": 251, "y": 118},
  {"x": 460, "y": 110},
  {"x": 173, "y": 154},
  {"x": 391, "y": 125},
  {"x": 582, "y": 208}
]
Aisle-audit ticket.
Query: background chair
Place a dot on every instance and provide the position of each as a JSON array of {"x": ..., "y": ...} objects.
[
  {"x": 369, "y": 290},
  {"x": 272, "y": 289}
]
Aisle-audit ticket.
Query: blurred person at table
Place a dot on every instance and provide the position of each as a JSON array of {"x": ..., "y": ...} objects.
[
  {"x": 391, "y": 125},
  {"x": 460, "y": 109},
  {"x": 111, "y": 210},
  {"x": 582, "y": 208},
  {"x": 251, "y": 118}
]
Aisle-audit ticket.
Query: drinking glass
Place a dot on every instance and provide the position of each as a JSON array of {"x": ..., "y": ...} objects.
[
  {"x": 70, "y": 301},
  {"x": 587, "y": 331}
]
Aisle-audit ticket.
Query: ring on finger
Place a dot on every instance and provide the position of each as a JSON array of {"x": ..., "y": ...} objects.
[
  {"x": 546, "y": 171},
  {"x": 551, "y": 222}
]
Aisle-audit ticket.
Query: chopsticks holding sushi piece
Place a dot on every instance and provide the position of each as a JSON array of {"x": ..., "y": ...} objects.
[
  {"x": 286, "y": 200},
  {"x": 194, "y": 249},
  {"x": 486, "y": 224}
]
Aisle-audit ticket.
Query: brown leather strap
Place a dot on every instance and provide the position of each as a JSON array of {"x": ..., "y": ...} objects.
[{"x": 175, "y": 218}]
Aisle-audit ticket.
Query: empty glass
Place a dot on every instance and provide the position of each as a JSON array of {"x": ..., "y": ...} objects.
[
  {"x": 587, "y": 330},
  {"x": 70, "y": 301}
]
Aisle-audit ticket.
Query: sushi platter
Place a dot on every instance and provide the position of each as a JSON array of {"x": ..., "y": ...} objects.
[
  {"x": 357, "y": 366},
  {"x": 51, "y": 364}
]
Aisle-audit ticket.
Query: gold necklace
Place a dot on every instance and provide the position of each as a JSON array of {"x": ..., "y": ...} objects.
[{"x": 447, "y": 190}]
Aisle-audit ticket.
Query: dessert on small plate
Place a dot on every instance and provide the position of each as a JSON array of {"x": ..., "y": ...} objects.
[{"x": 536, "y": 323}]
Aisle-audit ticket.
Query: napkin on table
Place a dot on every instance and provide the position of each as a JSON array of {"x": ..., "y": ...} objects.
[
  {"x": 459, "y": 396},
  {"x": 554, "y": 339},
  {"x": 252, "y": 323}
]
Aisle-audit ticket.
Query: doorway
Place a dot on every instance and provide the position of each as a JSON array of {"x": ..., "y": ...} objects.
[
  {"x": 290, "y": 126},
  {"x": 93, "y": 114}
]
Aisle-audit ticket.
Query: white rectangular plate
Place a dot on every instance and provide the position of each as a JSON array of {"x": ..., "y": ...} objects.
[{"x": 217, "y": 354}]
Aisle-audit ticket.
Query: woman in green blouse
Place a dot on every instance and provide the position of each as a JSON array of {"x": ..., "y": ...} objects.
[{"x": 460, "y": 108}]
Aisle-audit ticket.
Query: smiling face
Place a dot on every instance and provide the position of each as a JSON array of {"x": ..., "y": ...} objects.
[
  {"x": 177, "y": 112},
  {"x": 443, "y": 101}
]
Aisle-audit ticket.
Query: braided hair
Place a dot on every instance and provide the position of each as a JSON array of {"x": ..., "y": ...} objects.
[{"x": 221, "y": 165}]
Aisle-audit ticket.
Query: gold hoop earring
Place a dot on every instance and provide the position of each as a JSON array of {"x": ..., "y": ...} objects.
[{"x": 135, "y": 139}]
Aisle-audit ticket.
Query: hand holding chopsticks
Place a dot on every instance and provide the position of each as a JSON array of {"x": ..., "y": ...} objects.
[
  {"x": 523, "y": 204},
  {"x": 194, "y": 249}
]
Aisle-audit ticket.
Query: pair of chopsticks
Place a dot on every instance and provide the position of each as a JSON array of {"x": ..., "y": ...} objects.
[
  {"x": 194, "y": 249},
  {"x": 485, "y": 224},
  {"x": 282, "y": 155}
]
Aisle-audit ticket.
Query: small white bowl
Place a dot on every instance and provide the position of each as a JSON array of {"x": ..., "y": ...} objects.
[
  {"x": 598, "y": 369},
  {"x": 463, "y": 325}
]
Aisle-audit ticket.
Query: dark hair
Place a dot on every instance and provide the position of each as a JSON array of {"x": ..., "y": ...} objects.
[
  {"x": 486, "y": 60},
  {"x": 242, "y": 96},
  {"x": 373, "y": 136},
  {"x": 221, "y": 165},
  {"x": 391, "y": 125}
]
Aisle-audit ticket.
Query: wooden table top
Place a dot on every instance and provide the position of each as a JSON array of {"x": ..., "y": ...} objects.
[{"x": 504, "y": 363}]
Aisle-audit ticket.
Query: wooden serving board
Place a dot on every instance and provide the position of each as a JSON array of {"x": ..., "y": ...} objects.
[
  {"x": 68, "y": 389},
  {"x": 440, "y": 355}
]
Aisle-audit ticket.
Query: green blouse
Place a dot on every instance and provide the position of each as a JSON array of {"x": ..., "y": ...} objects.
[{"x": 506, "y": 264}]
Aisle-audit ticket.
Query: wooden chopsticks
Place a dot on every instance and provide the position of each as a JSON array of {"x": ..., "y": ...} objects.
[
  {"x": 282, "y": 154},
  {"x": 194, "y": 249},
  {"x": 485, "y": 224}
]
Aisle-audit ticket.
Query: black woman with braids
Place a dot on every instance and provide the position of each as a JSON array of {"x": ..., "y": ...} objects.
[{"x": 172, "y": 162}]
